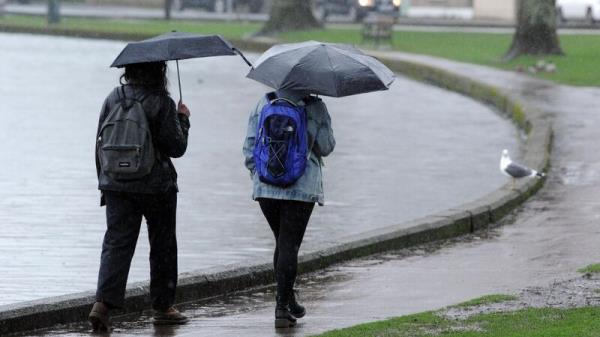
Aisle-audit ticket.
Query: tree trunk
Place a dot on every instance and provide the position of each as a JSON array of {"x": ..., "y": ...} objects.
[
  {"x": 536, "y": 29},
  {"x": 288, "y": 15},
  {"x": 168, "y": 7},
  {"x": 2, "y": 4},
  {"x": 53, "y": 11}
]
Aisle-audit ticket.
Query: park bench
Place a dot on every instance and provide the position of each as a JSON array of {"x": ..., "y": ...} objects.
[{"x": 378, "y": 28}]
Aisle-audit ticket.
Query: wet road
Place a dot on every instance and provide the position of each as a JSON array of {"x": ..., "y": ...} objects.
[
  {"x": 547, "y": 239},
  {"x": 401, "y": 154}
]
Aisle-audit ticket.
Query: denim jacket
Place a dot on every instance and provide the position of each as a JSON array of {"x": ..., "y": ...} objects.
[{"x": 309, "y": 188}]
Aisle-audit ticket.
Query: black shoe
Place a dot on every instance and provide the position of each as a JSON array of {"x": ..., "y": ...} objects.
[
  {"x": 296, "y": 309},
  {"x": 283, "y": 318}
]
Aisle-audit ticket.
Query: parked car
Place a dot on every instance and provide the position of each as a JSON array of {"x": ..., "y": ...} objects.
[
  {"x": 355, "y": 9},
  {"x": 219, "y": 6},
  {"x": 588, "y": 10}
]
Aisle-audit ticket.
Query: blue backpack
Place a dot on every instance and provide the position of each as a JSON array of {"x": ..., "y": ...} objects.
[{"x": 281, "y": 148}]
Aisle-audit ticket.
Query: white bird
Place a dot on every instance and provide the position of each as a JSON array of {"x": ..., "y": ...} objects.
[{"x": 517, "y": 171}]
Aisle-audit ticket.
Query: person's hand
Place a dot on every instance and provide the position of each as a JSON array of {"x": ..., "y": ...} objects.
[{"x": 183, "y": 109}]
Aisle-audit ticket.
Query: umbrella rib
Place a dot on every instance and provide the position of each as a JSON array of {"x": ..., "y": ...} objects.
[
  {"x": 278, "y": 85},
  {"x": 295, "y": 65},
  {"x": 268, "y": 53},
  {"x": 335, "y": 77},
  {"x": 359, "y": 60},
  {"x": 300, "y": 61}
]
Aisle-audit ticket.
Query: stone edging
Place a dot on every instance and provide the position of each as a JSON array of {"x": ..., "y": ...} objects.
[{"x": 223, "y": 280}]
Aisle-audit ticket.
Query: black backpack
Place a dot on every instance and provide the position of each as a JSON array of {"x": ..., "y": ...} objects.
[{"x": 124, "y": 145}]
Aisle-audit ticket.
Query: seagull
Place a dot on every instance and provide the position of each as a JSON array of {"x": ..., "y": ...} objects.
[{"x": 517, "y": 171}]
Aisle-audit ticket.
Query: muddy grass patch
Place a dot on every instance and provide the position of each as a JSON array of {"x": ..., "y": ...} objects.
[
  {"x": 488, "y": 299},
  {"x": 574, "y": 293}
]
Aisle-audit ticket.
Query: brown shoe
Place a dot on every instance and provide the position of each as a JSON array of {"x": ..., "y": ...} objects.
[
  {"x": 99, "y": 317},
  {"x": 170, "y": 316}
]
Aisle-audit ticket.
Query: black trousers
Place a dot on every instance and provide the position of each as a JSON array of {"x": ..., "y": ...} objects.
[
  {"x": 124, "y": 213},
  {"x": 288, "y": 220}
]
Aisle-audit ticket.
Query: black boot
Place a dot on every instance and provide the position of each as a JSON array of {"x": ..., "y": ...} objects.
[
  {"x": 296, "y": 309},
  {"x": 283, "y": 317}
]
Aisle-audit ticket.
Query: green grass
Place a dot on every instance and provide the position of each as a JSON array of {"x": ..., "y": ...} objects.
[
  {"x": 578, "y": 67},
  {"x": 583, "y": 322},
  {"x": 488, "y": 299},
  {"x": 591, "y": 269},
  {"x": 144, "y": 27}
]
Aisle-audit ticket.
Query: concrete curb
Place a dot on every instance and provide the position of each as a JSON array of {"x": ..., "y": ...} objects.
[{"x": 214, "y": 282}]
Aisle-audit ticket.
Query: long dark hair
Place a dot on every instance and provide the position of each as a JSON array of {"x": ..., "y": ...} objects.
[{"x": 151, "y": 75}]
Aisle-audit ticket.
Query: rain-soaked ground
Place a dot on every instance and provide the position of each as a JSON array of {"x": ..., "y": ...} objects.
[
  {"x": 534, "y": 254},
  {"x": 401, "y": 154},
  {"x": 428, "y": 277}
]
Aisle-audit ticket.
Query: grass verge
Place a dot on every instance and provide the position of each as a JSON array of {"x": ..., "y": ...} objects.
[
  {"x": 581, "y": 322},
  {"x": 590, "y": 269},
  {"x": 141, "y": 27},
  {"x": 578, "y": 67}
]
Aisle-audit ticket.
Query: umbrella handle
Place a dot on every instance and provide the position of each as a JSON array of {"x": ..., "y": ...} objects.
[
  {"x": 239, "y": 52},
  {"x": 179, "y": 81}
]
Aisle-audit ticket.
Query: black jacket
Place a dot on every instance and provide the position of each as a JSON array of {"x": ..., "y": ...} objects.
[{"x": 169, "y": 132}]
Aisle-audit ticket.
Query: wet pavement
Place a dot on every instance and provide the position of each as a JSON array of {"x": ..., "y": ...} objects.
[
  {"x": 401, "y": 155},
  {"x": 543, "y": 242}
]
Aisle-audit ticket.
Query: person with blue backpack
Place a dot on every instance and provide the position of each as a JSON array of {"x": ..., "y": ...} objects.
[{"x": 289, "y": 132}]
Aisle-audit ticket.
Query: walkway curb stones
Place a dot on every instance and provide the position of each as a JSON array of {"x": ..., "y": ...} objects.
[{"x": 220, "y": 281}]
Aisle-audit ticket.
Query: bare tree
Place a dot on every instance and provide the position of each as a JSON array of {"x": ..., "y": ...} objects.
[
  {"x": 536, "y": 29},
  {"x": 2, "y": 4},
  {"x": 287, "y": 15}
]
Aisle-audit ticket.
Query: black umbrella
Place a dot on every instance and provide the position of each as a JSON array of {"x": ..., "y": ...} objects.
[
  {"x": 175, "y": 46},
  {"x": 335, "y": 70}
]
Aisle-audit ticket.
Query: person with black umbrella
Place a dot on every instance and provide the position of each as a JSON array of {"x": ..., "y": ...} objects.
[
  {"x": 289, "y": 133},
  {"x": 139, "y": 131},
  {"x": 129, "y": 195}
]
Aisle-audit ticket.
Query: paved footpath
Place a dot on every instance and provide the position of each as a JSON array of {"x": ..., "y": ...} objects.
[{"x": 547, "y": 239}]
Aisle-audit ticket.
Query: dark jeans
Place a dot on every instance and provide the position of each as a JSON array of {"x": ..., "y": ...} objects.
[
  {"x": 288, "y": 220},
  {"x": 124, "y": 213}
]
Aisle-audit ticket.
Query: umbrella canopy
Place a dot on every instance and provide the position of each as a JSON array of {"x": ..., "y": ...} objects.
[
  {"x": 173, "y": 46},
  {"x": 327, "y": 69}
]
